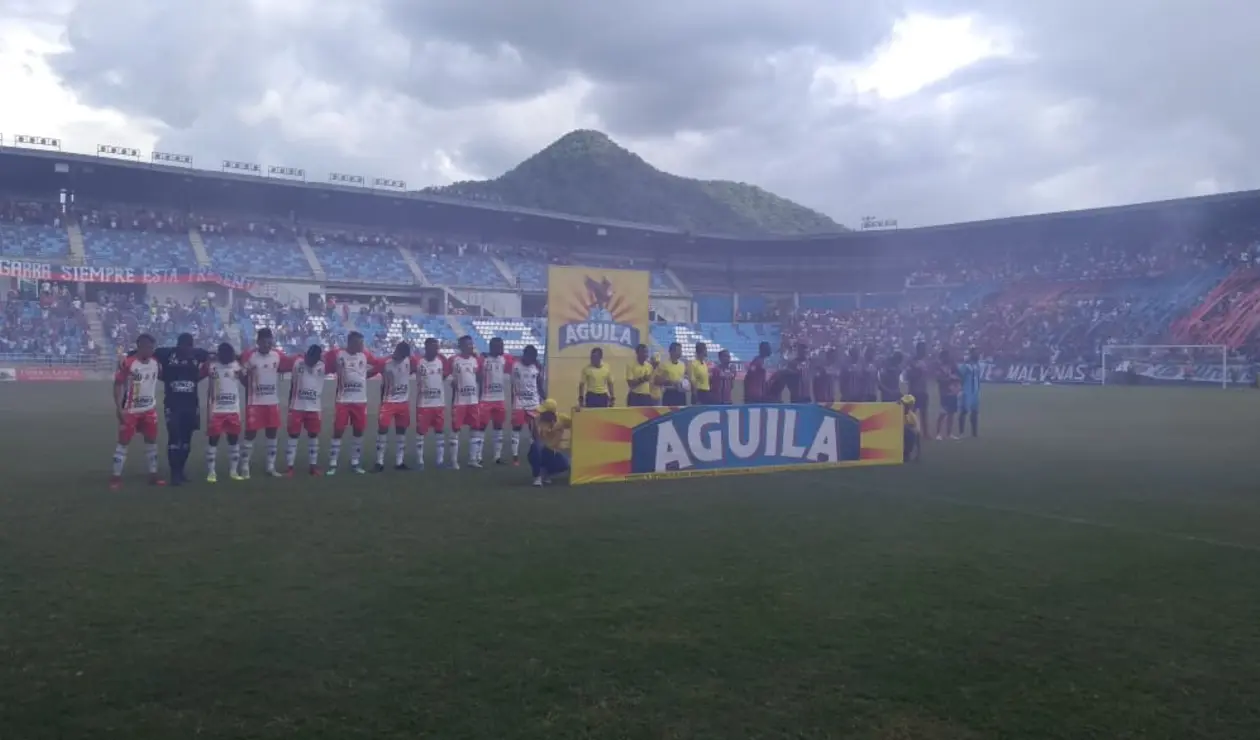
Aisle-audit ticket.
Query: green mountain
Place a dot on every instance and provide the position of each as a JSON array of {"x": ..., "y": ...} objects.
[{"x": 585, "y": 173}]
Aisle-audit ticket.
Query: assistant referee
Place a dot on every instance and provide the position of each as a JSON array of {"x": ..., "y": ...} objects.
[
  {"x": 639, "y": 379},
  {"x": 595, "y": 391}
]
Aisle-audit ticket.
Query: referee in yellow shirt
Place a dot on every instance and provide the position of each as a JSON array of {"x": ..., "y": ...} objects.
[
  {"x": 671, "y": 378},
  {"x": 639, "y": 378},
  {"x": 595, "y": 391},
  {"x": 698, "y": 374}
]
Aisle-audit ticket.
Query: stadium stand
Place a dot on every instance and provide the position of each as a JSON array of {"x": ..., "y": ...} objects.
[
  {"x": 270, "y": 257},
  {"x": 352, "y": 258},
  {"x": 460, "y": 266},
  {"x": 52, "y": 329},
  {"x": 33, "y": 241},
  {"x": 117, "y": 247}
]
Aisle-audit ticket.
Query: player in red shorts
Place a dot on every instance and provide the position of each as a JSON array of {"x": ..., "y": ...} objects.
[
  {"x": 466, "y": 410},
  {"x": 431, "y": 373},
  {"x": 263, "y": 366},
  {"x": 396, "y": 373},
  {"x": 306, "y": 409},
  {"x": 223, "y": 409},
  {"x": 527, "y": 394},
  {"x": 135, "y": 404},
  {"x": 496, "y": 374},
  {"x": 352, "y": 367}
]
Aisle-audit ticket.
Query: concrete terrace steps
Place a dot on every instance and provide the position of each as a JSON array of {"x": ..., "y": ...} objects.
[
  {"x": 316, "y": 269},
  {"x": 412, "y": 265},
  {"x": 504, "y": 270},
  {"x": 78, "y": 252},
  {"x": 199, "y": 247}
]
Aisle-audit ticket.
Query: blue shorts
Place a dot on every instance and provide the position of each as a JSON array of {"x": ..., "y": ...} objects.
[{"x": 969, "y": 403}]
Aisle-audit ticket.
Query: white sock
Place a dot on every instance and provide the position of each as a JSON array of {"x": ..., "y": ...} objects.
[
  {"x": 516, "y": 443},
  {"x": 454, "y": 445},
  {"x": 380, "y": 448},
  {"x": 212, "y": 457},
  {"x": 476, "y": 439},
  {"x": 420, "y": 450},
  {"x": 356, "y": 452},
  {"x": 312, "y": 451},
  {"x": 150, "y": 457},
  {"x": 496, "y": 444},
  {"x": 272, "y": 446},
  {"x": 120, "y": 459},
  {"x": 247, "y": 452},
  {"x": 235, "y": 455},
  {"x": 400, "y": 449},
  {"x": 334, "y": 453},
  {"x": 290, "y": 451},
  {"x": 439, "y": 449}
]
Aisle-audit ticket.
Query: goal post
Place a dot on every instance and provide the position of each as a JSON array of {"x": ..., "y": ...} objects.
[{"x": 1125, "y": 358}]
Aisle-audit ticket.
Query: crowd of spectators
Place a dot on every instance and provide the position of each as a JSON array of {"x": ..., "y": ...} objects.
[
  {"x": 51, "y": 327},
  {"x": 125, "y": 315}
]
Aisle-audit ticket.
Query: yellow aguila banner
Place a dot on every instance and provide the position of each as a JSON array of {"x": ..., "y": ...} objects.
[{"x": 590, "y": 307}]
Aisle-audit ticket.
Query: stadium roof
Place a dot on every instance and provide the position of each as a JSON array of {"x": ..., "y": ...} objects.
[{"x": 287, "y": 190}]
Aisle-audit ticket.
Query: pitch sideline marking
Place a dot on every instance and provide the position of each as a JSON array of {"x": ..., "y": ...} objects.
[{"x": 1177, "y": 536}]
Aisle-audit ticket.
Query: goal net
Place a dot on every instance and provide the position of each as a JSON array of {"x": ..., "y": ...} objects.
[{"x": 1148, "y": 364}]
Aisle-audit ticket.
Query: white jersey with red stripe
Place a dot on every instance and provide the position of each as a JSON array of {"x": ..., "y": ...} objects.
[
  {"x": 224, "y": 393},
  {"x": 465, "y": 371},
  {"x": 262, "y": 375},
  {"x": 496, "y": 373},
  {"x": 396, "y": 379},
  {"x": 525, "y": 386},
  {"x": 139, "y": 379},
  {"x": 431, "y": 376},
  {"x": 307, "y": 391},
  {"x": 351, "y": 372}
]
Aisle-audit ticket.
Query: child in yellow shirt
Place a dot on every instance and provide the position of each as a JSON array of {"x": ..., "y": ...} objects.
[{"x": 914, "y": 431}]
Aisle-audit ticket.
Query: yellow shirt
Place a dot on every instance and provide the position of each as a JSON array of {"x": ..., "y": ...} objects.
[
  {"x": 552, "y": 434},
  {"x": 671, "y": 373},
  {"x": 912, "y": 421},
  {"x": 698, "y": 372},
  {"x": 596, "y": 379},
  {"x": 639, "y": 377}
]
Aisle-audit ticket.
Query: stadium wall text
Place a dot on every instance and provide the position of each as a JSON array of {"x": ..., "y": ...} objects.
[
  {"x": 1086, "y": 373},
  {"x": 146, "y": 275},
  {"x": 589, "y": 307},
  {"x": 625, "y": 444}
]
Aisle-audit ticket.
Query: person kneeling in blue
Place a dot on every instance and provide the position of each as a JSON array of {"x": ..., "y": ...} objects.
[{"x": 546, "y": 451}]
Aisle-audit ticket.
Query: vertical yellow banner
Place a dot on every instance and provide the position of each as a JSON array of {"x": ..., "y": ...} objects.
[{"x": 590, "y": 307}]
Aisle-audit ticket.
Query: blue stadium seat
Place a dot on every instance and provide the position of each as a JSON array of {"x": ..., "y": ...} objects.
[
  {"x": 367, "y": 263},
  {"x": 251, "y": 255},
  {"x": 34, "y": 241},
  {"x": 740, "y": 340},
  {"x": 516, "y": 333},
  {"x": 104, "y": 247},
  {"x": 472, "y": 270}
]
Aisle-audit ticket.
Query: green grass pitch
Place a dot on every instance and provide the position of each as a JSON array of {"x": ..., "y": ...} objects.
[{"x": 1086, "y": 569}]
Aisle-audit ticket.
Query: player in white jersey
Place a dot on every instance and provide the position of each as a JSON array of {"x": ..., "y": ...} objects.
[
  {"x": 466, "y": 409},
  {"x": 527, "y": 394},
  {"x": 496, "y": 375},
  {"x": 135, "y": 405},
  {"x": 396, "y": 380},
  {"x": 306, "y": 408},
  {"x": 352, "y": 368},
  {"x": 223, "y": 409},
  {"x": 263, "y": 366},
  {"x": 432, "y": 373}
]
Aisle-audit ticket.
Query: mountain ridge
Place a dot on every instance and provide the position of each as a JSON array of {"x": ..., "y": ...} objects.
[{"x": 585, "y": 173}]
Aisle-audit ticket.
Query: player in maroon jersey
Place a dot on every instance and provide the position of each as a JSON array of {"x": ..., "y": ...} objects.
[
  {"x": 851, "y": 376},
  {"x": 722, "y": 380},
  {"x": 755, "y": 375},
  {"x": 825, "y": 377},
  {"x": 870, "y": 377}
]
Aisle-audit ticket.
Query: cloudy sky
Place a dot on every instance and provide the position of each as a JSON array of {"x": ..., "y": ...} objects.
[{"x": 928, "y": 111}]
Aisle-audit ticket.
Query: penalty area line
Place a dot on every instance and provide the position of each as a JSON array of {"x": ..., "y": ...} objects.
[{"x": 1094, "y": 523}]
